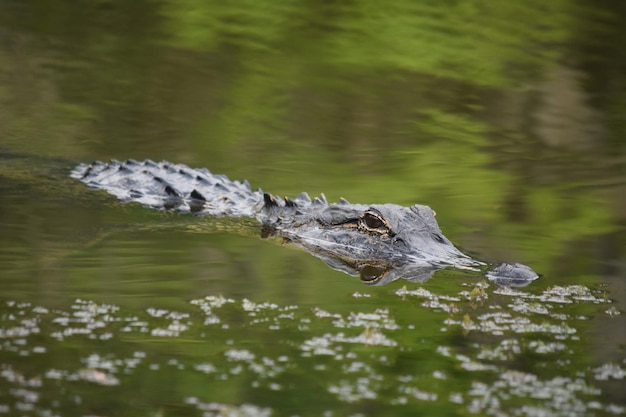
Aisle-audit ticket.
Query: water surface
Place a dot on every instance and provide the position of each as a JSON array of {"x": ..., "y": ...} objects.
[{"x": 507, "y": 119}]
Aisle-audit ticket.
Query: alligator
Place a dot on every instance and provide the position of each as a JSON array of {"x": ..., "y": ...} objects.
[{"x": 377, "y": 242}]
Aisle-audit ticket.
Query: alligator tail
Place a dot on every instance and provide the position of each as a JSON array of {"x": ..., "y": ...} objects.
[{"x": 167, "y": 186}]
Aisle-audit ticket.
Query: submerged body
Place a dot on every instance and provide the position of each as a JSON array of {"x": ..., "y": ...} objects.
[{"x": 378, "y": 242}]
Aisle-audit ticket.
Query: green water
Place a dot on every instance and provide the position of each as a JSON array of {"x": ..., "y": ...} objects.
[{"x": 508, "y": 119}]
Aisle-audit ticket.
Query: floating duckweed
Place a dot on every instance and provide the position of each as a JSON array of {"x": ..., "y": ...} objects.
[
  {"x": 521, "y": 306},
  {"x": 319, "y": 313},
  {"x": 399, "y": 401},
  {"x": 559, "y": 396},
  {"x": 475, "y": 366},
  {"x": 54, "y": 374},
  {"x": 368, "y": 337},
  {"x": 162, "y": 333},
  {"x": 86, "y": 318},
  {"x": 439, "y": 375},
  {"x": 357, "y": 294},
  {"x": 154, "y": 312},
  {"x": 541, "y": 347},
  {"x": 379, "y": 319},
  {"x": 215, "y": 409},
  {"x": 266, "y": 369},
  {"x": 318, "y": 346},
  {"x": 350, "y": 393},
  {"x": 25, "y": 395},
  {"x": 210, "y": 302},
  {"x": 444, "y": 303},
  {"x": 424, "y": 293},
  {"x": 323, "y": 345},
  {"x": 239, "y": 355},
  {"x": 609, "y": 371},
  {"x": 612, "y": 311},
  {"x": 499, "y": 323},
  {"x": 357, "y": 364},
  {"x": 88, "y": 308},
  {"x": 10, "y": 375},
  {"x": 211, "y": 319},
  {"x": 506, "y": 350},
  {"x": 17, "y": 331},
  {"x": 40, "y": 310},
  {"x": 558, "y": 294},
  {"x": 357, "y": 367},
  {"x": 251, "y": 306},
  {"x": 98, "y": 377},
  {"x": 615, "y": 409},
  {"x": 418, "y": 292},
  {"x": 207, "y": 368},
  {"x": 420, "y": 394}
]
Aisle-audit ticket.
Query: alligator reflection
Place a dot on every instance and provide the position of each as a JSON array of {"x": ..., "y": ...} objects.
[
  {"x": 381, "y": 272},
  {"x": 379, "y": 243}
]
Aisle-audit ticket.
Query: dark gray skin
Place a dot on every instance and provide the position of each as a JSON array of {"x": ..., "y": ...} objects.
[{"x": 378, "y": 242}]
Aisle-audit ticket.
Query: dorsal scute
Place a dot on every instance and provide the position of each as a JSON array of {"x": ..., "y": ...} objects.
[
  {"x": 290, "y": 203},
  {"x": 169, "y": 186},
  {"x": 270, "y": 200}
]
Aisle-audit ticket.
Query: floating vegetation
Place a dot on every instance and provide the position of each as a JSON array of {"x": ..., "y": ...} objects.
[
  {"x": 376, "y": 353},
  {"x": 353, "y": 391},
  {"x": 610, "y": 371},
  {"x": 521, "y": 393},
  {"x": 558, "y": 294},
  {"x": 215, "y": 409}
]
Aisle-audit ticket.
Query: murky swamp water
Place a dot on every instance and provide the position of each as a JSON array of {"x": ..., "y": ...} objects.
[{"x": 508, "y": 120}]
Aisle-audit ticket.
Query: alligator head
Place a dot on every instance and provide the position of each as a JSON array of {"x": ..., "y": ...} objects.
[{"x": 378, "y": 242}]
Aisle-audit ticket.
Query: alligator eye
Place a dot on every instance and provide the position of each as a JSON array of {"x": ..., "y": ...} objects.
[{"x": 373, "y": 221}]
